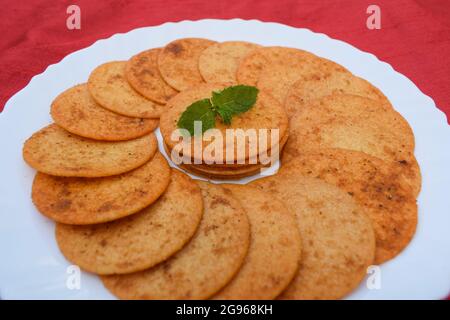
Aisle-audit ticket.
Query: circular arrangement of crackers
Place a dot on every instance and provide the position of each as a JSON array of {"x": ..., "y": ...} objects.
[
  {"x": 275, "y": 247},
  {"x": 343, "y": 199},
  {"x": 354, "y": 123},
  {"x": 54, "y": 151},
  {"x": 77, "y": 112},
  {"x": 205, "y": 265},
  {"x": 109, "y": 87},
  {"x": 219, "y": 62},
  {"x": 139, "y": 241},
  {"x": 338, "y": 243},
  {"x": 143, "y": 75},
  {"x": 178, "y": 62},
  {"x": 376, "y": 185},
  {"x": 96, "y": 200},
  {"x": 304, "y": 91},
  {"x": 275, "y": 118}
]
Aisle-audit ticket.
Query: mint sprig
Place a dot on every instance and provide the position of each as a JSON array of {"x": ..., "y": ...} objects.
[
  {"x": 200, "y": 110},
  {"x": 225, "y": 104}
]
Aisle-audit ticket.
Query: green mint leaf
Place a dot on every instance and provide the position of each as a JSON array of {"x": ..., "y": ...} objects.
[
  {"x": 225, "y": 114},
  {"x": 234, "y": 100},
  {"x": 226, "y": 103},
  {"x": 201, "y": 110}
]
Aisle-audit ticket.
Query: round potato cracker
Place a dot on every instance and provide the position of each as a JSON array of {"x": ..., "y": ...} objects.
[
  {"x": 77, "y": 112},
  {"x": 219, "y": 63},
  {"x": 302, "y": 92},
  {"x": 383, "y": 192},
  {"x": 267, "y": 114},
  {"x": 55, "y": 151},
  {"x": 141, "y": 240},
  {"x": 143, "y": 75},
  {"x": 205, "y": 265},
  {"x": 338, "y": 242},
  {"x": 178, "y": 62},
  {"x": 255, "y": 62},
  {"x": 275, "y": 247},
  {"x": 109, "y": 87},
  {"x": 96, "y": 200},
  {"x": 355, "y": 123}
]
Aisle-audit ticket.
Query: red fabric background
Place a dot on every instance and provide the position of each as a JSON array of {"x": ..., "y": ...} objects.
[{"x": 414, "y": 38}]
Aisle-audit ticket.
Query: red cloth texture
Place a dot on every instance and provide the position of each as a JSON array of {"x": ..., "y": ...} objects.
[{"x": 414, "y": 36}]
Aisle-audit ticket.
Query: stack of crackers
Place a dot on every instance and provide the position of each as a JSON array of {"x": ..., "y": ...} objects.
[
  {"x": 343, "y": 200},
  {"x": 266, "y": 113}
]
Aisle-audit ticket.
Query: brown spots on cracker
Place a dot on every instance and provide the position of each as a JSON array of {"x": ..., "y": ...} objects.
[
  {"x": 220, "y": 251},
  {"x": 165, "y": 266},
  {"x": 219, "y": 201},
  {"x": 64, "y": 188},
  {"x": 124, "y": 265},
  {"x": 209, "y": 228},
  {"x": 274, "y": 280},
  {"x": 265, "y": 207},
  {"x": 175, "y": 48},
  {"x": 227, "y": 191},
  {"x": 142, "y": 60},
  {"x": 178, "y": 62},
  {"x": 143, "y": 73},
  {"x": 114, "y": 78},
  {"x": 106, "y": 206},
  {"x": 62, "y": 205}
]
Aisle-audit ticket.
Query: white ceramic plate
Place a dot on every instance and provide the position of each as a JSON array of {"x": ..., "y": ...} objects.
[{"x": 31, "y": 265}]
